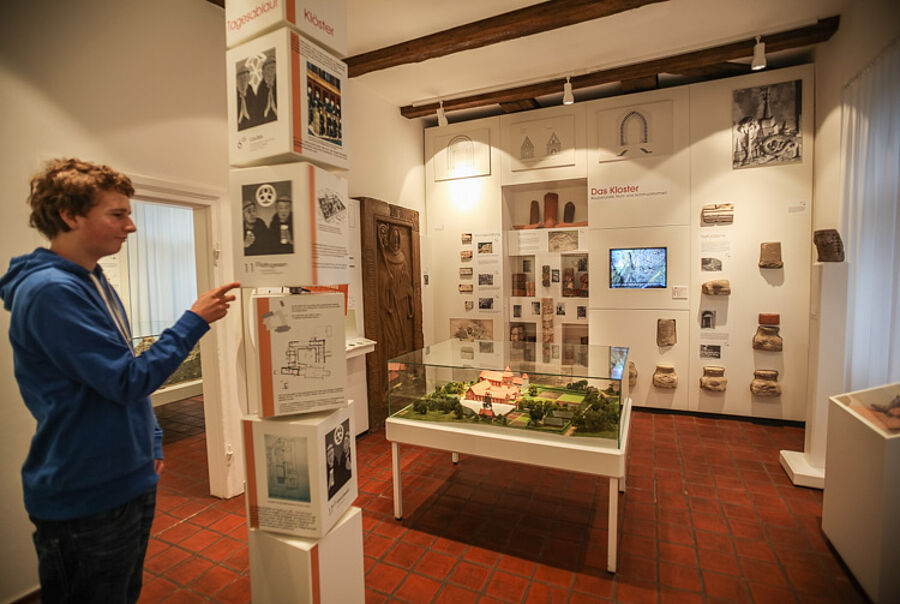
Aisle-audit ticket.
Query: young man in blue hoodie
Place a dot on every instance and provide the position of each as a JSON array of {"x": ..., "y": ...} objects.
[{"x": 90, "y": 475}]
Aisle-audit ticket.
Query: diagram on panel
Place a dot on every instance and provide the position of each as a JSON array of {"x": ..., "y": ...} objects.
[
  {"x": 287, "y": 468},
  {"x": 307, "y": 359}
]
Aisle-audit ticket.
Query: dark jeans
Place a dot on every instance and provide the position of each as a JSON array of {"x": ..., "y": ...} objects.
[{"x": 95, "y": 559}]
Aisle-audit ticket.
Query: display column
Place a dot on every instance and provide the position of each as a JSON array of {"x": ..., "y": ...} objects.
[{"x": 290, "y": 232}]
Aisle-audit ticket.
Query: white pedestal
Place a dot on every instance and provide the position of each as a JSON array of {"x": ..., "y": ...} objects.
[
  {"x": 327, "y": 571},
  {"x": 862, "y": 493},
  {"x": 807, "y": 468}
]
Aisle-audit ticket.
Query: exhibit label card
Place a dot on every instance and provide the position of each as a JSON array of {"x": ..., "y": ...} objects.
[{"x": 301, "y": 359}]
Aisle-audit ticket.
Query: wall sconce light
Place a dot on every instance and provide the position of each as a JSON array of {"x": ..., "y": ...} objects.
[
  {"x": 759, "y": 55},
  {"x": 568, "y": 97},
  {"x": 442, "y": 117}
]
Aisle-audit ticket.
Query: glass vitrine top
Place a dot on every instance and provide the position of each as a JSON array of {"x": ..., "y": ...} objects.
[{"x": 570, "y": 360}]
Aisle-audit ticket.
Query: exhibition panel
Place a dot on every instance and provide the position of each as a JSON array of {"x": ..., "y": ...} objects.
[{"x": 543, "y": 144}]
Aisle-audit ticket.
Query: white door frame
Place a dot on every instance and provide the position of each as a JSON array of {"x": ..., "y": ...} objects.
[{"x": 223, "y": 399}]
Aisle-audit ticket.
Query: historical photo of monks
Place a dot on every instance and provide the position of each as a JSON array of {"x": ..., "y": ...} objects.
[
  {"x": 766, "y": 125},
  {"x": 257, "y": 97},
  {"x": 472, "y": 329},
  {"x": 323, "y": 101},
  {"x": 287, "y": 468},
  {"x": 338, "y": 458},
  {"x": 268, "y": 219}
]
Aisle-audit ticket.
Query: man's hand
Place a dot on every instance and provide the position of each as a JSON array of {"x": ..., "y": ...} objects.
[{"x": 213, "y": 305}]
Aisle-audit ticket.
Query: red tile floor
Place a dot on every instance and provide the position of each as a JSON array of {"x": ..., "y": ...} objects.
[{"x": 709, "y": 516}]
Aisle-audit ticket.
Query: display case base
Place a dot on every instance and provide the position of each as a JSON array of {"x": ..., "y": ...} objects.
[{"x": 800, "y": 471}]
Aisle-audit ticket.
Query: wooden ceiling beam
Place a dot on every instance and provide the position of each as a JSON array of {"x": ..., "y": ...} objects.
[
  {"x": 639, "y": 84},
  {"x": 522, "y": 105},
  {"x": 527, "y": 21},
  {"x": 821, "y": 31},
  {"x": 717, "y": 70}
]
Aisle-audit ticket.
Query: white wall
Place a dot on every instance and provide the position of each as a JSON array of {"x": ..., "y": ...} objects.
[{"x": 134, "y": 84}]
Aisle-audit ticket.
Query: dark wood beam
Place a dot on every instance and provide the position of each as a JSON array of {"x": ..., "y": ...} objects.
[
  {"x": 219, "y": 3},
  {"x": 639, "y": 84},
  {"x": 821, "y": 31},
  {"x": 717, "y": 70},
  {"x": 522, "y": 105},
  {"x": 507, "y": 26}
]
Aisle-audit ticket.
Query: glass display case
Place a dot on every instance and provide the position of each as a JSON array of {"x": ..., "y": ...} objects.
[{"x": 514, "y": 386}]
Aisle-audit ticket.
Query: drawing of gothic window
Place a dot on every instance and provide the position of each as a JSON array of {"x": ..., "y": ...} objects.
[
  {"x": 460, "y": 154},
  {"x": 554, "y": 145},
  {"x": 526, "y": 151},
  {"x": 634, "y": 133}
]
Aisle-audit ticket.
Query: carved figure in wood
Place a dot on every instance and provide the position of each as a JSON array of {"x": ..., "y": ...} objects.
[{"x": 396, "y": 290}]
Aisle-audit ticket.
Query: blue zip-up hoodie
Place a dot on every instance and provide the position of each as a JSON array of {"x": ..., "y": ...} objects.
[{"x": 97, "y": 436}]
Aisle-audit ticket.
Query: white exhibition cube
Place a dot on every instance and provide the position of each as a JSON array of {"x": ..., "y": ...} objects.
[
  {"x": 861, "y": 502},
  {"x": 301, "y": 472},
  {"x": 327, "y": 571},
  {"x": 295, "y": 352},
  {"x": 324, "y": 21},
  {"x": 285, "y": 102},
  {"x": 290, "y": 225}
]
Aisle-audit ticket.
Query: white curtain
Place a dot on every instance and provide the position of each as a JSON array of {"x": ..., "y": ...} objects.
[
  {"x": 870, "y": 158},
  {"x": 161, "y": 271}
]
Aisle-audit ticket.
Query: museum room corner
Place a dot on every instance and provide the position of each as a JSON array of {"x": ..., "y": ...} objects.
[{"x": 562, "y": 301}]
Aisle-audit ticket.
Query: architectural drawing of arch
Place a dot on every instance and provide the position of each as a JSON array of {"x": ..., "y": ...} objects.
[
  {"x": 460, "y": 154},
  {"x": 633, "y": 116}
]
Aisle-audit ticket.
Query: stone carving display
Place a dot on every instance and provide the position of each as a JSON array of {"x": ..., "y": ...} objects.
[
  {"x": 632, "y": 375},
  {"x": 569, "y": 213},
  {"x": 546, "y": 320},
  {"x": 717, "y": 287},
  {"x": 829, "y": 246},
  {"x": 665, "y": 332},
  {"x": 765, "y": 383},
  {"x": 545, "y": 275},
  {"x": 767, "y": 338},
  {"x": 665, "y": 376},
  {"x": 713, "y": 378},
  {"x": 717, "y": 213},
  {"x": 770, "y": 255},
  {"x": 551, "y": 209}
]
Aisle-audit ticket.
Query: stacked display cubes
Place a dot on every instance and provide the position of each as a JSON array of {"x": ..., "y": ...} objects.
[{"x": 290, "y": 234}]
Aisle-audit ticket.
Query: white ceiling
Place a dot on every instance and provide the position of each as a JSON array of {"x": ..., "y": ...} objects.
[{"x": 649, "y": 32}]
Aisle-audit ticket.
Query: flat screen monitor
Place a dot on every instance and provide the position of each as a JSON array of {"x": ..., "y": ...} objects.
[{"x": 637, "y": 268}]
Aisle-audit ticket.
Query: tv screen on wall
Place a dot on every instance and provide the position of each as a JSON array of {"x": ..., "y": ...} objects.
[{"x": 637, "y": 268}]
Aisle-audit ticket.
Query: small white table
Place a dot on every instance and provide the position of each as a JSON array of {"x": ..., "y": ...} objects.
[{"x": 576, "y": 454}]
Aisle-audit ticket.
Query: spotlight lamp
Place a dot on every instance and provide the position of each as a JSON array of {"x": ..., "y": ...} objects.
[
  {"x": 442, "y": 117},
  {"x": 759, "y": 55},
  {"x": 568, "y": 97}
]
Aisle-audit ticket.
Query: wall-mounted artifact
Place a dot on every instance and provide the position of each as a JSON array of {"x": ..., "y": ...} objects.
[
  {"x": 665, "y": 332},
  {"x": 765, "y": 383},
  {"x": 551, "y": 209},
  {"x": 569, "y": 216},
  {"x": 829, "y": 246},
  {"x": 665, "y": 376},
  {"x": 713, "y": 378},
  {"x": 568, "y": 283},
  {"x": 717, "y": 213},
  {"x": 465, "y": 255},
  {"x": 545, "y": 275},
  {"x": 766, "y": 125},
  {"x": 466, "y": 288},
  {"x": 465, "y": 272},
  {"x": 770, "y": 255},
  {"x": 547, "y": 310},
  {"x": 769, "y": 318},
  {"x": 534, "y": 217},
  {"x": 767, "y": 338},
  {"x": 632, "y": 375},
  {"x": 717, "y": 287}
]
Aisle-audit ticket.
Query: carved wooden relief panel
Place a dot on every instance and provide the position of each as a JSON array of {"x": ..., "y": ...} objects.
[{"x": 392, "y": 292}]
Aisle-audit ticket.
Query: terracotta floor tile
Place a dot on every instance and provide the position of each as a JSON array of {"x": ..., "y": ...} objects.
[
  {"x": 685, "y": 578},
  {"x": 157, "y": 590},
  {"x": 416, "y": 589},
  {"x": 213, "y": 580},
  {"x": 516, "y": 565},
  {"x": 451, "y": 594},
  {"x": 601, "y": 585},
  {"x": 236, "y": 592},
  {"x": 555, "y": 576},
  {"x": 717, "y": 541},
  {"x": 404, "y": 555},
  {"x": 166, "y": 559},
  {"x": 721, "y": 562},
  {"x": 725, "y": 587},
  {"x": 758, "y": 550},
  {"x": 435, "y": 564},
  {"x": 479, "y": 555},
  {"x": 540, "y": 593},
  {"x": 507, "y": 587},
  {"x": 199, "y": 540},
  {"x": 636, "y": 592},
  {"x": 188, "y": 571},
  {"x": 385, "y": 578},
  {"x": 470, "y": 575}
]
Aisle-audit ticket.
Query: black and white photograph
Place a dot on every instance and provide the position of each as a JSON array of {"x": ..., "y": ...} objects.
[
  {"x": 256, "y": 90},
  {"x": 469, "y": 305},
  {"x": 486, "y": 347},
  {"x": 287, "y": 468},
  {"x": 472, "y": 329},
  {"x": 338, "y": 457},
  {"x": 561, "y": 310},
  {"x": 526, "y": 265},
  {"x": 268, "y": 224},
  {"x": 331, "y": 206},
  {"x": 517, "y": 310},
  {"x": 323, "y": 99},
  {"x": 710, "y": 351},
  {"x": 554, "y": 275},
  {"x": 554, "y": 351},
  {"x": 486, "y": 279},
  {"x": 766, "y": 125},
  {"x": 710, "y": 264},
  {"x": 485, "y": 303},
  {"x": 485, "y": 247},
  {"x": 535, "y": 308},
  {"x": 581, "y": 312},
  {"x": 466, "y": 238},
  {"x": 708, "y": 319}
]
